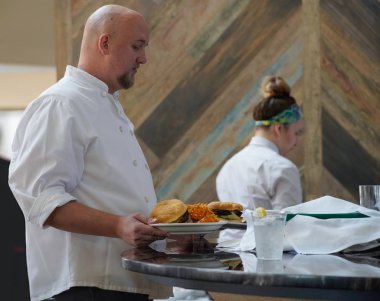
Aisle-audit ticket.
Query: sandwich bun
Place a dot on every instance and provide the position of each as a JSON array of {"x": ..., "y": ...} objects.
[
  {"x": 225, "y": 206},
  {"x": 227, "y": 211},
  {"x": 170, "y": 211}
]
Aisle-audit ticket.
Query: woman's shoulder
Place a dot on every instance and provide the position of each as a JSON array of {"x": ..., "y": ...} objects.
[{"x": 282, "y": 162}]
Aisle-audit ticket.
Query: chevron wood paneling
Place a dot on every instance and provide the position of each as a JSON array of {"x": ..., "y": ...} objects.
[
  {"x": 350, "y": 76},
  {"x": 192, "y": 102}
]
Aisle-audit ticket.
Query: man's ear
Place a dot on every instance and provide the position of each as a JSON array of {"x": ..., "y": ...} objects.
[{"x": 103, "y": 44}]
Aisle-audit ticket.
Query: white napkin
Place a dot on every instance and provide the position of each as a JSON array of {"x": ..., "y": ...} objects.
[
  {"x": 309, "y": 235},
  {"x": 247, "y": 242},
  {"x": 329, "y": 204}
]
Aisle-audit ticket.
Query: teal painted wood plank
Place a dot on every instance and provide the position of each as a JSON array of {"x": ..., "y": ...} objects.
[
  {"x": 175, "y": 185},
  {"x": 195, "y": 93}
]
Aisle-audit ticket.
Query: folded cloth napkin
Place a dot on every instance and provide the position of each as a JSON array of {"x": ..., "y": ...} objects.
[{"x": 310, "y": 235}]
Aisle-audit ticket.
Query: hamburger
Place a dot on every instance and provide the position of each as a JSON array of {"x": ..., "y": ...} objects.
[
  {"x": 227, "y": 211},
  {"x": 171, "y": 211}
]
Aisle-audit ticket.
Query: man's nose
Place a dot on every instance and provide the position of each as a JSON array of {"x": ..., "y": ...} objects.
[{"x": 142, "y": 58}]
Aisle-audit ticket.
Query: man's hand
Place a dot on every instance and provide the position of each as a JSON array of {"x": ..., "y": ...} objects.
[{"x": 135, "y": 230}]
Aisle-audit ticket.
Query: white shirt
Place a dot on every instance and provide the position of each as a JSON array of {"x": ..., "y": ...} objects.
[
  {"x": 74, "y": 142},
  {"x": 258, "y": 176}
]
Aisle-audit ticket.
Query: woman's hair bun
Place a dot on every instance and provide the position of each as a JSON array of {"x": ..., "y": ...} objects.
[{"x": 274, "y": 86}]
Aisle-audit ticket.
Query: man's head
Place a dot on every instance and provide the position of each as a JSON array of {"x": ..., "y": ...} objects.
[{"x": 113, "y": 45}]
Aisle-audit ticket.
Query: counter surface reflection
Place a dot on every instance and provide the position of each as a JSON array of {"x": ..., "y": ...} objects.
[{"x": 194, "y": 263}]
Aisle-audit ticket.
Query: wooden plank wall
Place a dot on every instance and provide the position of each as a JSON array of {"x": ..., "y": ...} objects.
[{"x": 192, "y": 103}]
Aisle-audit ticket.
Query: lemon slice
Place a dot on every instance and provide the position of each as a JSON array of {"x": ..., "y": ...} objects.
[{"x": 261, "y": 212}]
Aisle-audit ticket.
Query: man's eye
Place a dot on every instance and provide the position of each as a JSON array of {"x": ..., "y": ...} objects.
[{"x": 136, "y": 47}]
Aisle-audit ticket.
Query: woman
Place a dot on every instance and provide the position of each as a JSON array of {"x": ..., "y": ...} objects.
[{"x": 260, "y": 175}]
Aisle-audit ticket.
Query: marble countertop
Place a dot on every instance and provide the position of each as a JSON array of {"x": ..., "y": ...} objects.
[{"x": 197, "y": 264}]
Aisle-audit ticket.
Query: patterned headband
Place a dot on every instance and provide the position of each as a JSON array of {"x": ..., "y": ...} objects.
[{"x": 286, "y": 117}]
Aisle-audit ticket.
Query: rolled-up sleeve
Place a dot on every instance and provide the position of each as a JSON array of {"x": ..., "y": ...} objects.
[{"x": 47, "y": 158}]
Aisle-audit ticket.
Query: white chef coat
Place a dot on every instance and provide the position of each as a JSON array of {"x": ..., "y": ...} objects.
[
  {"x": 74, "y": 142},
  {"x": 258, "y": 176}
]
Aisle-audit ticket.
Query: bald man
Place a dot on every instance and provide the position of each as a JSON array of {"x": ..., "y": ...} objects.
[{"x": 79, "y": 175}]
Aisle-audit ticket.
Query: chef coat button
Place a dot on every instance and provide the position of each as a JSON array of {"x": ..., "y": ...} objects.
[
  {"x": 120, "y": 129},
  {"x": 146, "y": 200},
  {"x": 104, "y": 93},
  {"x": 134, "y": 162}
]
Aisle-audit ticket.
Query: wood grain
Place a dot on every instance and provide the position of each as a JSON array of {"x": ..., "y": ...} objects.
[{"x": 192, "y": 102}]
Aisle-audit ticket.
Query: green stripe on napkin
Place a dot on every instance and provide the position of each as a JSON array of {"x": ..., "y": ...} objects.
[{"x": 355, "y": 214}]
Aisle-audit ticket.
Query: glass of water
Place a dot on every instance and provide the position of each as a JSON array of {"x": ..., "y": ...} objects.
[
  {"x": 369, "y": 196},
  {"x": 269, "y": 234}
]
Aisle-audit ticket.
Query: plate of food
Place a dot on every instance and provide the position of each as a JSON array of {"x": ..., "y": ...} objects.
[
  {"x": 174, "y": 216},
  {"x": 189, "y": 228}
]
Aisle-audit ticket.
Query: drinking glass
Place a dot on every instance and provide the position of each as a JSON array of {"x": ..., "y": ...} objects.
[
  {"x": 269, "y": 234},
  {"x": 369, "y": 196}
]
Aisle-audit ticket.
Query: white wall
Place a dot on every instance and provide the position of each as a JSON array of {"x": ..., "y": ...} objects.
[{"x": 8, "y": 124}]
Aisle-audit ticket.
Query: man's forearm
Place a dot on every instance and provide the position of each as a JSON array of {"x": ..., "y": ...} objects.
[{"x": 78, "y": 218}]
